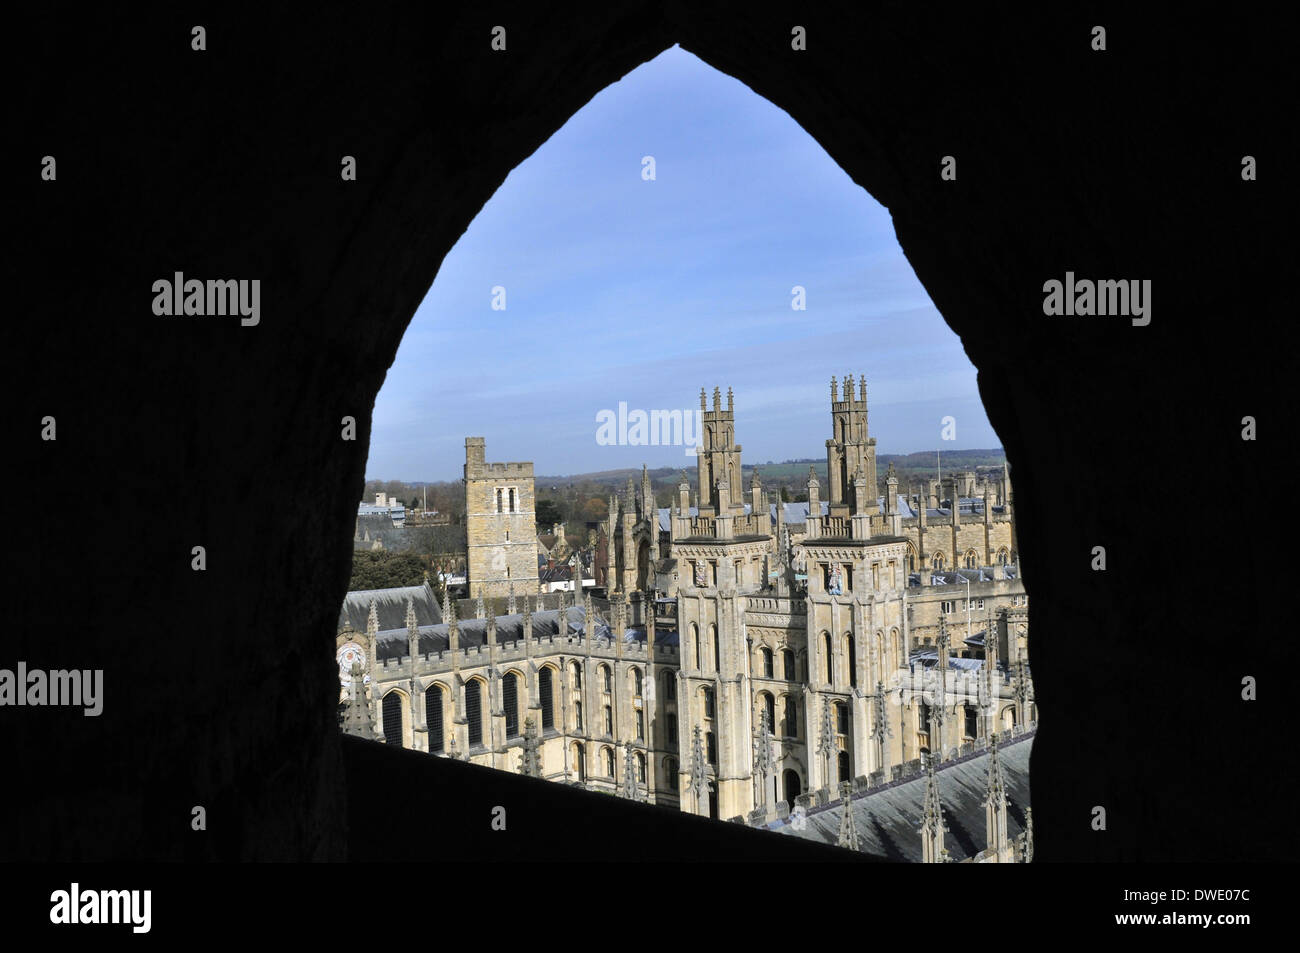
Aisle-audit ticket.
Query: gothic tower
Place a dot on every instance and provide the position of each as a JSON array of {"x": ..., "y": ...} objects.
[
  {"x": 851, "y": 452},
  {"x": 719, "y": 457}
]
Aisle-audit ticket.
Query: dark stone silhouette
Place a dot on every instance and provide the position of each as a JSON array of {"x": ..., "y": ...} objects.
[{"x": 220, "y": 686}]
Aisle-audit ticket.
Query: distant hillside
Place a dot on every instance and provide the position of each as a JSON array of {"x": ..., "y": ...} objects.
[{"x": 792, "y": 474}]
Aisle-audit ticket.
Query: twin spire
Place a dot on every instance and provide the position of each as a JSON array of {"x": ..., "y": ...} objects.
[{"x": 848, "y": 388}]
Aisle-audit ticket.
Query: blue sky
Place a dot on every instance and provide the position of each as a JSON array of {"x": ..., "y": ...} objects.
[{"x": 620, "y": 289}]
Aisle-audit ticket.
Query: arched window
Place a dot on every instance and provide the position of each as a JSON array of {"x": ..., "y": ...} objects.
[
  {"x": 769, "y": 703},
  {"x": 851, "y": 647},
  {"x": 844, "y": 766},
  {"x": 580, "y": 761},
  {"x": 672, "y": 728},
  {"x": 708, "y": 701},
  {"x": 711, "y": 742},
  {"x": 609, "y": 720},
  {"x": 791, "y": 717},
  {"x": 937, "y": 561},
  {"x": 766, "y": 654},
  {"x": 474, "y": 711},
  {"x": 670, "y": 686},
  {"x": 717, "y": 653},
  {"x": 830, "y": 658},
  {"x": 577, "y": 716},
  {"x": 606, "y": 680},
  {"x": 510, "y": 702},
  {"x": 577, "y": 677},
  {"x": 640, "y": 725},
  {"x": 609, "y": 762},
  {"x": 545, "y": 695},
  {"x": 971, "y": 559},
  {"x": 787, "y": 662},
  {"x": 695, "y": 640},
  {"x": 1002, "y": 557},
  {"x": 841, "y": 718},
  {"x": 433, "y": 716},
  {"x": 636, "y": 683},
  {"x": 640, "y": 767},
  {"x": 971, "y": 722},
  {"x": 793, "y": 789},
  {"x": 670, "y": 770},
  {"x": 393, "y": 718}
]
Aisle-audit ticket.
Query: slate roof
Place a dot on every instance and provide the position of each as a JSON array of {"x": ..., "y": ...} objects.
[
  {"x": 888, "y": 818},
  {"x": 390, "y": 604}
]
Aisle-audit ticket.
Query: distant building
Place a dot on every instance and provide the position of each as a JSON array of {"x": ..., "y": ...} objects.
[
  {"x": 744, "y": 659},
  {"x": 500, "y": 525},
  {"x": 384, "y": 506}
]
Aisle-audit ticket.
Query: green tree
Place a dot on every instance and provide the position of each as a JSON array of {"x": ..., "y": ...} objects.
[
  {"x": 376, "y": 569},
  {"x": 548, "y": 512}
]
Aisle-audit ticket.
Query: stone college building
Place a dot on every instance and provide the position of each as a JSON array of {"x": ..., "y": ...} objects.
[{"x": 817, "y": 668}]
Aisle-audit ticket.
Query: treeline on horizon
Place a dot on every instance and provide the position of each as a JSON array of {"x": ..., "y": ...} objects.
[{"x": 583, "y": 498}]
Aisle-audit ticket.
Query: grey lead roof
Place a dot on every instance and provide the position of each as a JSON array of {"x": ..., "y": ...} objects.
[
  {"x": 888, "y": 818},
  {"x": 390, "y": 605}
]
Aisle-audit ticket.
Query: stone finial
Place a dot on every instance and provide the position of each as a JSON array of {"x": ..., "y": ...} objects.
[
  {"x": 835, "y": 389},
  {"x": 510, "y": 601},
  {"x": 730, "y": 400},
  {"x": 932, "y": 823},
  {"x": 698, "y": 776},
  {"x": 717, "y": 399},
  {"x": 863, "y": 386},
  {"x": 530, "y": 763},
  {"x": 480, "y": 611},
  {"x": 703, "y": 400},
  {"x": 356, "y": 718},
  {"x": 372, "y": 620},
  {"x": 848, "y": 837},
  {"x": 629, "y": 789},
  {"x": 412, "y": 624}
]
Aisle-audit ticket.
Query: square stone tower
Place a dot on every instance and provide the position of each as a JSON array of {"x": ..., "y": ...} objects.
[{"x": 500, "y": 525}]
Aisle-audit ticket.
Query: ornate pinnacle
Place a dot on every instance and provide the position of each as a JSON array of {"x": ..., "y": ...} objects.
[
  {"x": 827, "y": 743},
  {"x": 698, "y": 771},
  {"x": 848, "y": 838},
  {"x": 531, "y": 759},
  {"x": 372, "y": 620},
  {"x": 412, "y": 625},
  {"x": 882, "y": 729},
  {"x": 630, "y": 790}
]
